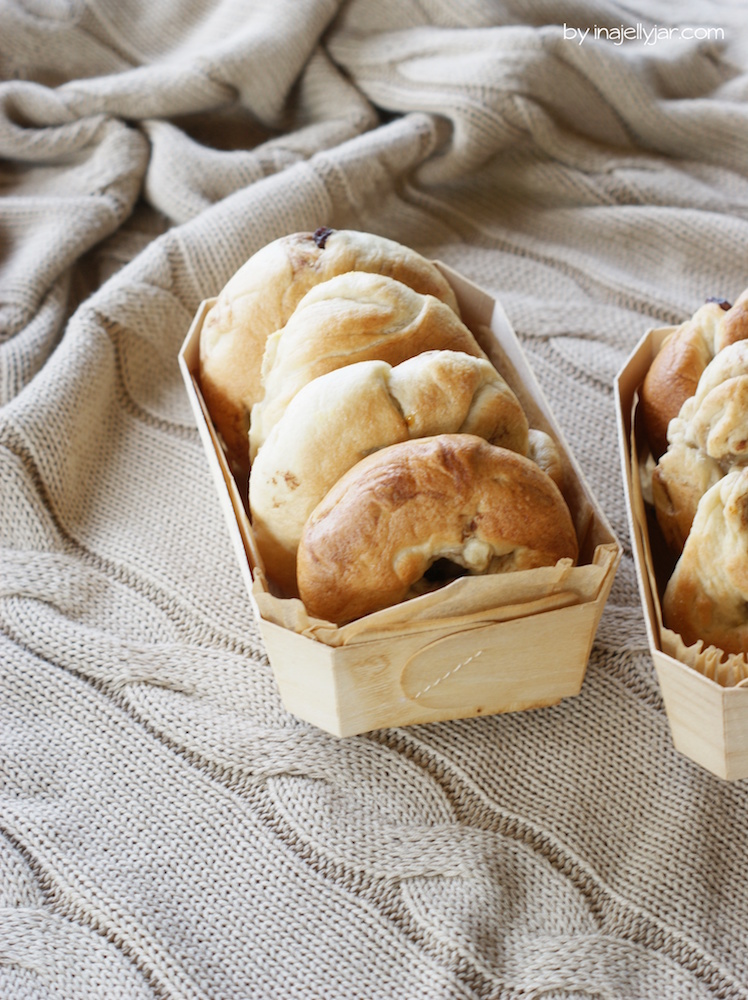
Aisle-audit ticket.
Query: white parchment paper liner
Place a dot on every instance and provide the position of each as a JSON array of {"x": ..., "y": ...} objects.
[{"x": 465, "y": 601}]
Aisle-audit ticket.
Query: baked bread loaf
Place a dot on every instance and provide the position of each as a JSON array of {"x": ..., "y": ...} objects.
[
  {"x": 453, "y": 497},
  {"x": 353, "y": 317},
  {"x": 260, "y": 298},
  {"x": 707, "y": 438},
  {"x": 675, "y": 371},
  {"x": 344, "y": 415},
  {"x": 707, "y": 595}
]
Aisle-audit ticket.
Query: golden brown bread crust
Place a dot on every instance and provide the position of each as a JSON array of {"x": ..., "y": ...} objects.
[
  {"x": 675, "y": 371},
  {"x": 356, "y": 316},
  {"x": 261, "y": 297},
  {"x": 707, "y": 595},
  {"x": 673, "y": 376},
  {"x": 341, "y": 417},
  {"x": 453, "y": 496}
]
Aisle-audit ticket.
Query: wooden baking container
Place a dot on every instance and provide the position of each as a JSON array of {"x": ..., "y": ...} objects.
[
  {"x": 434, "y": 661},
  {"x": 708, "y": 721}
]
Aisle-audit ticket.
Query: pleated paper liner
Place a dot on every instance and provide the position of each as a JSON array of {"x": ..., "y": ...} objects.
[{"x": 726, "y": 669}]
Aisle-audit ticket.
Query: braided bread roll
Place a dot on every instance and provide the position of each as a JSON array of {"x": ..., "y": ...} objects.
[
  {"x": 352, "y": 317},
  {"x": 344, "y": 415},
  {"x": 707, "y": 595},
  {"x": 675, "y": 371},
  {"x": 707, "y": 438},
  {"x": 396, "y": 512},
  {"x": 261, "y": 297}
]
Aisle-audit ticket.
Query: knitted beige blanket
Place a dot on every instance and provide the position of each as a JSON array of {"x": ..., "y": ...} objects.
[{"x": 168, "y": 829}]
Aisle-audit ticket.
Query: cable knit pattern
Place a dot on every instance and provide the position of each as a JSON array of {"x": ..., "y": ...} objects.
[{"x": 168, "y": 830}]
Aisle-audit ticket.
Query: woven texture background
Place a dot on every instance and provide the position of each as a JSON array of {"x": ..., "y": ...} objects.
[{"x": 168, "y": 830}]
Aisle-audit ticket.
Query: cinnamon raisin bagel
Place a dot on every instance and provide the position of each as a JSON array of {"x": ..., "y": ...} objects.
[
  {"x": 260, "y": 298},
  {"x": 452, "y": 496},
  {"x": 355, "y": 316},
  {"x": 675, "y": 371},
  {"x": 341, "y": 417}
]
